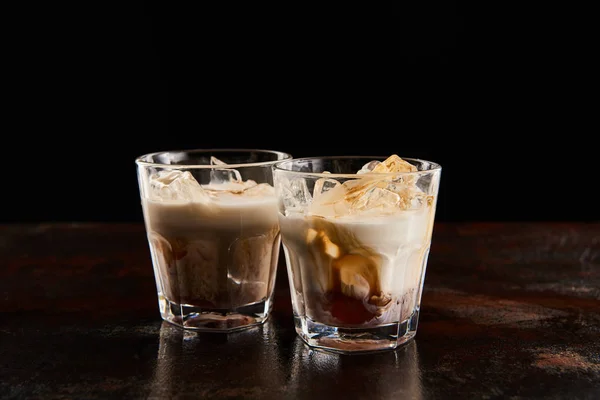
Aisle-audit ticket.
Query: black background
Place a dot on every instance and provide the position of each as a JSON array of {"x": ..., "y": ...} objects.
[{"x": 501, "y": 96}]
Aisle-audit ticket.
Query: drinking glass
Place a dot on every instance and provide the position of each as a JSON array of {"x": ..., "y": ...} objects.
[
  {"x": 356, "y": 234},
  {"x": 213, "y": 233}
]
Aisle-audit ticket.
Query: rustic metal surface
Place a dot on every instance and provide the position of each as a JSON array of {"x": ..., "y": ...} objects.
[{"x": 510, "y": 310}]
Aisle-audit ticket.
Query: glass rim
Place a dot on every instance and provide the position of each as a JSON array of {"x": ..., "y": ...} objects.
[
  {"x": 435, "y": 167},
  {"x": 140, "y": 160}
]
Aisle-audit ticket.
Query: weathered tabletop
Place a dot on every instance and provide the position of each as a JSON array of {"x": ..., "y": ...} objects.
[{"x": 509, "y": 310}]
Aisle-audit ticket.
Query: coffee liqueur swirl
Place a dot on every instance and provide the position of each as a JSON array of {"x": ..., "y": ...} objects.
[{"x": 357, "y": 251}]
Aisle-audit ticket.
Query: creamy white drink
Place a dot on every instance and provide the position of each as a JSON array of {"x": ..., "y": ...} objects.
[
  {"x": 214, "y": 246},
  {"x": 357, "y": 250}
]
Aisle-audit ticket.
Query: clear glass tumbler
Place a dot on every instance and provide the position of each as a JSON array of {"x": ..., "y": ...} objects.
[
  {"x": 213, "y": 232},
  {"x": 356, "y": 234}
]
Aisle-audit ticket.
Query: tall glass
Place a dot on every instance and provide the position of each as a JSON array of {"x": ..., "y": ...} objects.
[
  {"x": 213, "y": 233},
  {"x": 356, "y": 233}
]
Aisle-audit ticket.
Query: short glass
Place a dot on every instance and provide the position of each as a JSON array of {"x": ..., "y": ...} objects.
[
  {"x": 213, "y": 232},
  {"x": 356, "y": 234}
]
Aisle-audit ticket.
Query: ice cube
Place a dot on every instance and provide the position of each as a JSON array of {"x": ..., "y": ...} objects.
[
  {"x": 418, "y": 200},
  {"x": 376, "y": 197},
  {"x": 356, "y": 188},
  {"x": 394, "y": 164},
  {"x": 226, "y": 175},
  {"x": 323, "y": 185},
  {"x": 177, "y": 185},
  {"x": 223, "y": 175},
  {"x": 410, "y": 197},
  {"x": 366, "y": 193},
  {"x": 330, "y": 203},
  {"x": 296, "y": 197},
  {"x": 368, "y": 167}
]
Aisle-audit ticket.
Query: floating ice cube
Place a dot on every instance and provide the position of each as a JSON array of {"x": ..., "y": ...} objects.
[
  {"x": 323, "y": 185},
  {"x": 219, "y": 176},
  {"x": 376, "y": 197},
  {"x": 177, "y": 185},
  {"x": 416, "y": 200},
  {"x": 394, "y": 164},
  {"x": 356, "y": 188},
  {"x": 368, "y": 167},
  {"x": 370, "y": 193},
  {"x": 296, "y": 197},
  {"x": 352, "y": 197},
  {"x": 410, "y": 197},
  {"x": 330, "y": 203},
  {"x": 223, "y": 175}
]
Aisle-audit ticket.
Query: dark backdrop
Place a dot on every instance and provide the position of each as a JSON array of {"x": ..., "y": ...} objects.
[{"x": 488, "y": 92}]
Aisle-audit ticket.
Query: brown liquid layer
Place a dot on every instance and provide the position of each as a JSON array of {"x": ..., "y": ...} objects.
[{"x": 222, "y": 272}]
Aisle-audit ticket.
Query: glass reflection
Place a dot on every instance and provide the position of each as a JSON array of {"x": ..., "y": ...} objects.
[
  {"x": 241, "y": 364},
  {"x": 385, "y": 375}
]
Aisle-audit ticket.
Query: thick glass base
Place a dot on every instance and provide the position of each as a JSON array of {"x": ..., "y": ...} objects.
[
  {"x": 357, "y": 340},
  {"x": 212, "y": 320}
]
